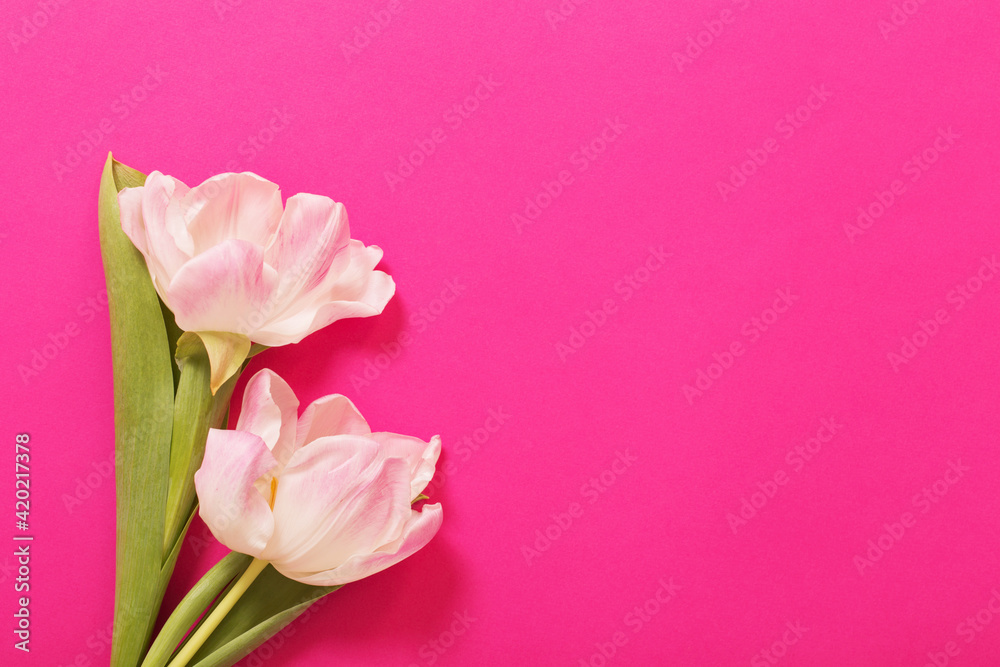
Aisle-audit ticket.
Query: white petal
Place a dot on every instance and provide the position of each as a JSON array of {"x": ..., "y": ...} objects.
[
  {"x": 270, "y": 410},
  {"x": 330, "y": 415},
  {"x": 157, "y": 195},
  {"x": 227, "y": 288},
  {"x": 232, "y": 508},
  {"x": 352, "y": 288},
  {"x": 232, "y": 206},
  {"x": 313, "y": 230},
  {"x": 314, "y": 487},
  {"x": 418, "y": 531},
  {"x": 366, "y": 513},
  {"x": 420, "y": 456}
]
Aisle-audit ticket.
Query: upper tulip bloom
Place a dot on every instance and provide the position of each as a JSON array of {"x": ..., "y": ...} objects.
[
  {"x": 322, "y": 498},
  {"x": 225, "y": 256}
]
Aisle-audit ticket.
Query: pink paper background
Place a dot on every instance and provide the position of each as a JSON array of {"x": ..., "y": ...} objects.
[{"x": 200, "y": 79}]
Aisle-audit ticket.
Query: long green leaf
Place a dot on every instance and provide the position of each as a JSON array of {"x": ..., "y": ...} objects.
[
  {"x": 196, "y": 411},
  {"x": 144, "y": 397},
  {"x": 272, "y": 602},
  {"x": 173, "y": 333},
  {"x": 196, "y": 603}
]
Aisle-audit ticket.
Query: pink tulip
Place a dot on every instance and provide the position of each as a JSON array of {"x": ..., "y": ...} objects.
[
  {"x": 225, "y": 256},
  {"x": 321, "y": 497}
]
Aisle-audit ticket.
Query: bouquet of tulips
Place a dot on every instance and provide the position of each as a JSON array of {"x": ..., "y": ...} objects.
[{"x": 199, "y": 281}]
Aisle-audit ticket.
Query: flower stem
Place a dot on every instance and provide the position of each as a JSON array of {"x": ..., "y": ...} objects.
[{"x": 203, "y": 632}]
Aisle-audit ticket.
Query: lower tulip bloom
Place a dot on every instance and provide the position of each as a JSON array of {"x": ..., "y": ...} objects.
[{"x": 321, "y": 497}]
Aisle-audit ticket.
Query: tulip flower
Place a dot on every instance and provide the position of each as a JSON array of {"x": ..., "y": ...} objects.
[
  {"x": 321, "y": 498},
  {"x": 235, "y": 266}
]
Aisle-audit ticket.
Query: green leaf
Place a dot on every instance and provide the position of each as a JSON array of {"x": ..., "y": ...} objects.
[
  {"x": 272, "y": 602},
  {"x": 195, "y": 604},
  {"x": 196, "y": 409},
  {"x": 173, "y": 334},
  {"x": 144, "y": 397}
]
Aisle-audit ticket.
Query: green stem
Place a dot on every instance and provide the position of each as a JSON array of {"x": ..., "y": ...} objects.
[
  {"x": 208, "y": 626},
  {"x": 193, "y": 607}
]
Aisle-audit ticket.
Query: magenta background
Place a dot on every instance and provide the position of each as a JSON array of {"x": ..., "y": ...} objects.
[{"x": 666, "y": 516}]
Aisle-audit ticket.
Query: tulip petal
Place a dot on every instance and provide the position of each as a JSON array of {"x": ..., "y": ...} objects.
[
  {"x": 350, "y": 276},
  {"x": 226, "y": 288},
  {"x": 144, "y": 214},
  {"x": 130, "y": 210},
  {"x": 420, "y": 456},
  {"x": 157, "y": 194},
  {"x": 418, "y": 531},
  {"x": 232, "y": 508},
  {"x": 327, "y": 508},
  {"x": 330, "y": 415},
  {"x": 352, "y": 290},
  {"x": 269, "y": 410},
  {"x": 313, "y": 230},
  {"x": 243, "y": 206}
]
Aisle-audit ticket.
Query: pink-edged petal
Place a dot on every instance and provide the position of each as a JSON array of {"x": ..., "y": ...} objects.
[
  {"x": 232, "y": 206},
  {"x": 226, "y": 288},
  {"x": 130, "y": 211},
  {"x": 351, "y": 275},
  {"x": 420, "y": 456},
  {"x": 230, "y": 504},
  {"x": 352, "y": 290},
  {"x": 330, "y": 415},
  {"x": 158, "y": 195},
  {"x": 314, "y": 487},
  {"x": 418, "y": 531},
  {"x": 270, "y": 410},
  {"x": 313, "y": 230},
  {"x": 357, "y": 518}
]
